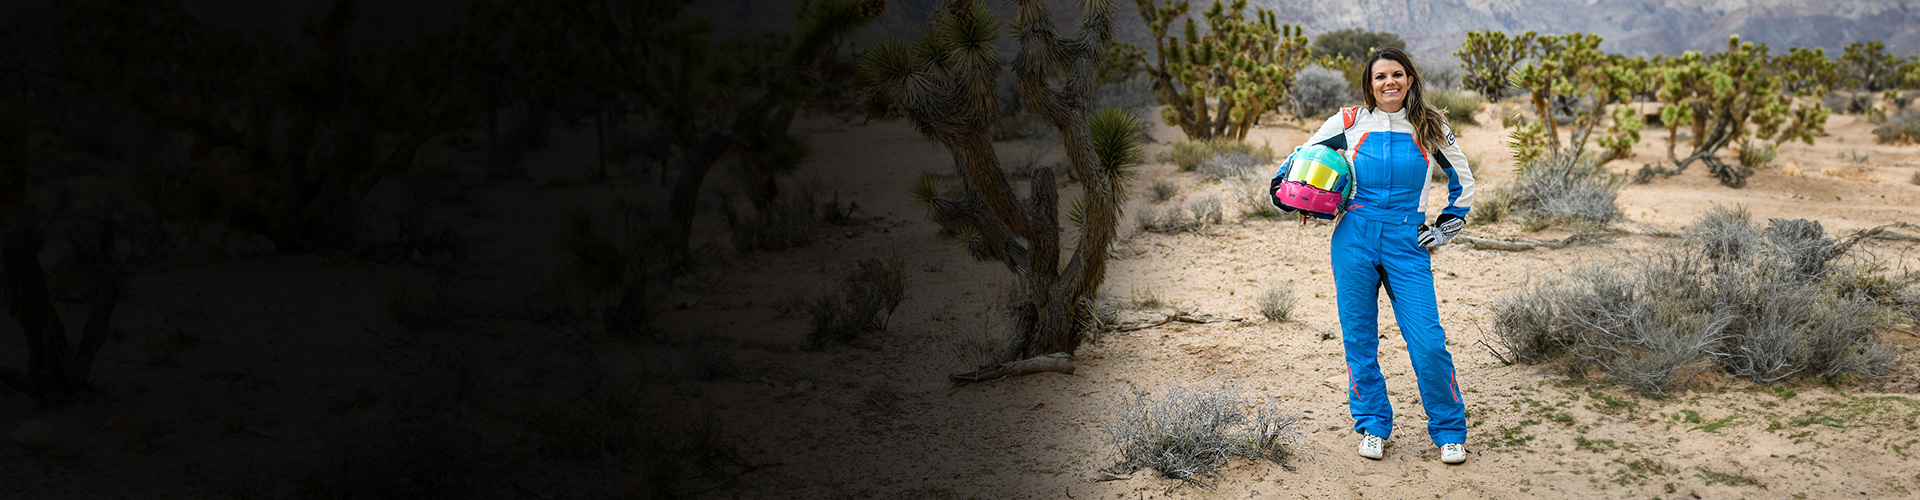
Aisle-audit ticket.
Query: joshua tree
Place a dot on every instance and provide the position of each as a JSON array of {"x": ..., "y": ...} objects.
[
  {"x": 1489, "y": 57},
  {"x": 1727, "y": 97},
  {"x": 1242, "y": 67},
  {"x": 705, "y": 99},
  {"x": 944, "y": 83}
]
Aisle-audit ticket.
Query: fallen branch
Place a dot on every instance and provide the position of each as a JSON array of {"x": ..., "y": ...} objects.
[
  {"x": 1057, "y": 362},
  {"x": 1522, "y": 245},
  {"x": 1188, "y": 315},
  {"x": 1496, "y": 353}
]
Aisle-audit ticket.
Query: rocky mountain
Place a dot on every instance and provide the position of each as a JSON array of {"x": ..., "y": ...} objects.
[{"x": 1635, "y": 27}]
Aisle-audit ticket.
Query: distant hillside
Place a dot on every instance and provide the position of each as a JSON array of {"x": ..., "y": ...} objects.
[
  {"x": 1628, "y": 26},
  {"x": 1636, "y": 27}
]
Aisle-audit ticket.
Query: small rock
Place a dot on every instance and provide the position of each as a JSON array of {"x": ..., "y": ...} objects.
[
  {"x": 36, "y": 436},
  {"x": 1336, "y": 382},
  {"x": 803, "y": 386}
]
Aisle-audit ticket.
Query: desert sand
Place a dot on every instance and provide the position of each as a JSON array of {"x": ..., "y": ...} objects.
[{"x": 234, "y": 375}]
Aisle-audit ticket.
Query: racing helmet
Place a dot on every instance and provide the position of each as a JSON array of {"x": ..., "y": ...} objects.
[{"x": 1315, "y": 180}]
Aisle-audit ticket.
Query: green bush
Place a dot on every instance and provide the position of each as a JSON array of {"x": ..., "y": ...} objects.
[
  {"x": 1752, "y": 156},
  {"x": 1459, "y": 105}
]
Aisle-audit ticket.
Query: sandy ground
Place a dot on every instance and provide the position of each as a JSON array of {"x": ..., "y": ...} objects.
[{"x": 228, "y": 375}]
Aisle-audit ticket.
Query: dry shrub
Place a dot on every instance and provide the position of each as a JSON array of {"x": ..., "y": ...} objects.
[
  {"x": 1902, "y": 129},
  {"x": 1164, "y": 190},
  {"x": 1852, "y": 173},
  {"x": 1218, "y": 158},
  {"x": 864, "y": 302},
  {"x": 1175, "y": 218},
  {"x": 791, "y": 220},
  {"x": 1187, "y": 433},
  {"x": 1560, "y": 187},
  {"x": 1317, "y": 92},
  {"x": 1764, "y": 304},
  {"x": 1277, "y": 303},
  {"x": 1250, "y": 194}
]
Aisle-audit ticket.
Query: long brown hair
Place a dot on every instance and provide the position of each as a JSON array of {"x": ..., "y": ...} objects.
[{"x": 1428, "y": 123}]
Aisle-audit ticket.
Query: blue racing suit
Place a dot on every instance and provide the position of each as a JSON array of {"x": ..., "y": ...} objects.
[{"x": 1374, "y": 247}]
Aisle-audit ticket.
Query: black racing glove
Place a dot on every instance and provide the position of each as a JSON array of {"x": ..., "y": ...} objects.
[
  {"x": 1444, "y": 228},
  {"x": 1273, "y": 194}
]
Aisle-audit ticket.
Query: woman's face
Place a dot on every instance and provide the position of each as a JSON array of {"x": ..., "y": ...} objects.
[{"x": 1390, "y": 84}]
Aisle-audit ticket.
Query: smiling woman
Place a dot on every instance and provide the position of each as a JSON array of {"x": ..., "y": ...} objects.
[{"x": 1395, "y": 144}]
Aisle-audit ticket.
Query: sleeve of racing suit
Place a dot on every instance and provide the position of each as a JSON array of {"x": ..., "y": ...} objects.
[
  {"x": 1331, "y": 134},
  {"x": 1459, "y": 177}
]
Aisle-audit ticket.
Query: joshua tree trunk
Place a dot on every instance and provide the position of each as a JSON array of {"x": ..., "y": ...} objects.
[
  {"x": 57, "y": 370},
  {"x": 952, "y": 101}
]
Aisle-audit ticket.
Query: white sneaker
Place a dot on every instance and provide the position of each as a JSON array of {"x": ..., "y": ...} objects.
[
  {"x": 1453, "y": 453},
  {"x": 1372, "y": 446}
]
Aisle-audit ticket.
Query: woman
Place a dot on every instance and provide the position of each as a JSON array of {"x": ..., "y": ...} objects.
[{"x": 1383, "y": 242}]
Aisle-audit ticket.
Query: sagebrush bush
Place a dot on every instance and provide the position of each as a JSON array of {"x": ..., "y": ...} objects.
[
  {"x": 1277, "y": 303},
  {"x": 1164, "y": 190},
  {"x": 1559, "y": 187},
  {"x": 1317, "y": 92},
  {"x": 1250, "y": 193},
  {"x": 1903, "y": 129},
  {"x": 1217, "y": 158},
  {"x": 791, "y": 220},
  {"x": 1763, "y": 304},
  {"x": 1460, "y": 105},
  {"x": 1187, "y": 433},
  {"x": 1847, "y": 103},
  {"x": 1174, "y": 218},
  {"x": 1753, "y": 156},
  {"x": 864, "y": 302}
]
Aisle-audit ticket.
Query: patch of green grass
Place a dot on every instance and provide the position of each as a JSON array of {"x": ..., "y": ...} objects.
[
  {"x": 1687, "y": 417},
  {"x": 1637, "y": 471},
  {"x": 1513, "y": 436},
  {"x": 1901, "y": 448},
  {"x": 1606, "y": 403},
  {"x": 1783, "y": 391},
  {"x": 1715, "y": 477},
  {"x": 1716, "y": 425}
]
